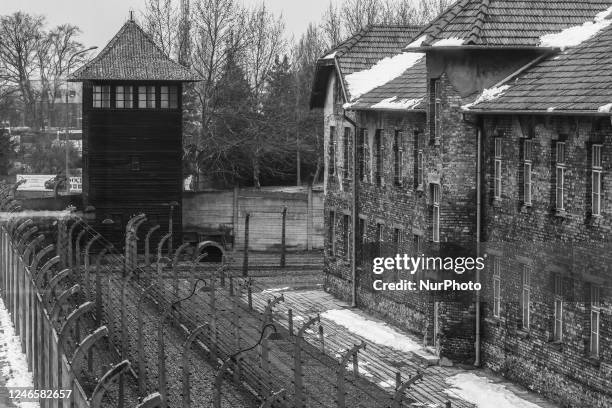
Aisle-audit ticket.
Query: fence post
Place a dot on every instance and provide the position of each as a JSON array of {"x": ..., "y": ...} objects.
[
  {"x": 283, "y": 259},
  {"x": 99, "y": 285},
  {"x": 309, "y": 221},
  {"x": 70, "y": 251},
  {"x": 245, "y": 262},
  {"x": 106, "y": 381},
  {"x": 177, "y": 256},
  {"x": 186, "y": 346},
  {"x": 148, "y": 244},
  {"x": 86, "y": 276},
  {"x": 340, "y": 389},
  {"x": 297, "y": 362},
  {"x": 399, "y": 391},
  {"x": 142, "y": 369}
]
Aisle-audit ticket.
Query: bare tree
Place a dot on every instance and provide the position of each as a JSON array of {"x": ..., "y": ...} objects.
[
  {"x": 162, "y": 18},
  {"x": 20, "y": 34},
  {"x": 357, "y": 14},
  {"x": 331, "y": 25},
  {"x": 429, "y": 9}
]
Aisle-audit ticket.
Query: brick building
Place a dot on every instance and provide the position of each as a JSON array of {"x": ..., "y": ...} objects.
[{"x": 489, "y": 136}]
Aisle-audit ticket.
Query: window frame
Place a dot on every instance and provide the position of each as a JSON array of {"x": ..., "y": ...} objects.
[
  {"x": 435, "y": 224},
  {"x": 379, "y": 145},
  {"x": 147, "y": 99},
  {"x": 560, "y": 152},
  {"x": 527, "y": 168},
  {"x": 169, "y": 97},
  {"x": 101, "y": 96},
  {"x": 558, "y": 308},
  {"x": 595, "y": 314},
  {"x": 526, "y": 297},
  {"x": 398, "y": 157},
  {"x": 596, "y": 180},
  {"x": 496, "y": 287},
  {"x": 124, "y": 97},
  {"x": 332, "y": 233},
  {"x": 346, "y": 236},
  {"x": 332, "y": 151},
  {"x": 497, "y": 169},
  {"x": 346, "y": 153}
]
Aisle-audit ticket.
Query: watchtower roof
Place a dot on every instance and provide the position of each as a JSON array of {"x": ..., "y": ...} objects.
[{"x": 132, "y": 55}]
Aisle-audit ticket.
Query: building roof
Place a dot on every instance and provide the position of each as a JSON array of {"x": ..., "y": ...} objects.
[
  {"x": 577, "y": 80},
  {"x": 404, "y": 93},
  {"x": 505, "y": 23},
  {"x": 358, "y": 53},
  {"x": 133, "y": 55}
]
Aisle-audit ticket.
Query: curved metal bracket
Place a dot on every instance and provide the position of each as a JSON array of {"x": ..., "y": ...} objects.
[
  {"x": 399, "y": 392},
  {"x": 353, "y": 351},
  {"x": 151, "y": 401},
  {"x": 53, "y": 283},
  {"x": 160, "y": 245},
  {"x": 77, "y": 247},
  {"x": 72, "y": 318},
  {"x": 61, "y": 300},
  {"x": 307, "y": 325},
  {"x": 105, "y": 382},
  {"x": 177, "y": 254},
  {"x": 46, "y": 268},
  {"x": 129, "y": 228},
  {"x": 21, "y": 227},
  {"x": 70, "y": 233},
  {"x": 88, "y": 248},
  {"x": 24, "y": 238},
  {"x": 31, "y": 247},
  {"x": 86, "y": 344},
  {"x": 40, "y": 255}
]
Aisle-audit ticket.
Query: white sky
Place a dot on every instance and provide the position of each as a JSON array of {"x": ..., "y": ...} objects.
[{"x": 99, "y": 20}]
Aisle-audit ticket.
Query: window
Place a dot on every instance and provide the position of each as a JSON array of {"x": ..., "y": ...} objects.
[
  {"x": 435, "y": 103},
  {"x": 496, "y": 287},
  {"x": 417, "y": 247},
  {"x": 527, "y": 161},
  {"x": 596, "y": 170},
  {"x": 347, "y": 153},
  {"x": 332, "y": 233},
  {"x": 168, "y": 97},
  {"x": 398, "y": 239},
  {"x": 332, "y": 151},
  {"x": 101, "y": 96},
  {"x": 346, "y": 235},
  {"x": 363, "y": 162},
  {"x": 418, "y": 160},
  {"x": 362, "y": 235},
  {"x": 595, "y": 320},
  {"x": 398, "y": 158},
  {"x": 379, "y": 157},
  {"x": 146, "y": 97},
  {"x": 435, "y": 195},
  {"x": 124, "y": 97},
  {"x": 379, "y": 238},
  {"x": 497, "y": 177},
  {"x": 525, "y": 296},
  {"x": 135, "y": 163},
  {"x": 560, "y": 176},
  {"x": 558, "y": 326}
]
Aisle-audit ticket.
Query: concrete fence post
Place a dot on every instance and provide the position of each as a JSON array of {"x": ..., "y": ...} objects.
[
  {"x": 142, "y": 367},
  {"x": 186, "y": 359},
  {"x": 148, "y": 244},
  {"x": 283, "y": 259},
  {"x": 99, "y": 305},
  {"x": 298, "y": 381},
  {"x": 401, "y": 389},
  {"x": 245, "y": 261},
  {"x": 309, "y": 219},
  {"x": 340, "y": 383}
]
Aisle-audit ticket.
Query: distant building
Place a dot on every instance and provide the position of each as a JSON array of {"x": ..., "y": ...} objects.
[{"x": 132, "y": 130}]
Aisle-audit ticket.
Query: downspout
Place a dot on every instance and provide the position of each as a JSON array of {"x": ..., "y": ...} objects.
[
  {"x": 354, "y": 213},
  {"x": 478, "y": 226}
]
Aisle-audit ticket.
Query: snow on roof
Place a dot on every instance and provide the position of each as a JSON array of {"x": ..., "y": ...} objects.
[
  {"x": 484, "y": 393},
  {"x": 448, "y": 42},
  {"x": 376, "y": 332},
  {"x": 573, "y": 36},
  {"x": 487, "y": 95},
  {"x": 384, "y": 71},
  {"x": 397, "y": 103},
  {"x": 330, "y": 56},
  {"x": 418, "y": 42},
  {"x": 605, "y": 108}
]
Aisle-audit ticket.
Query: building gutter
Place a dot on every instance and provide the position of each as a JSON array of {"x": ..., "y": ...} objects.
[
  {"x": 354, "y": 212},
  {"x": 539, "y": 113},
  {"x": 477, "y": 330}
]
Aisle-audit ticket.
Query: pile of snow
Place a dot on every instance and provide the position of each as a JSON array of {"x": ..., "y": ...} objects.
[
  {"x": 484, "y": 393},
  {"x": 14, "y": 363},
  {"x": 488, "y": 95},
  {"x": 384, "y": 71},
  {"x": 376, "y": 332},
  {"x": 394, "y": 103},
  {"x": 448, "y": 42},
  {"x": 330, "y": 56},
  {"x": 573, "y": 36},
  {"x": 605, "y": 108}
]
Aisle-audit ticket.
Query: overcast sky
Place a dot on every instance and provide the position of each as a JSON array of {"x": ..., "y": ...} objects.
[{"x": 101, "y": 19}]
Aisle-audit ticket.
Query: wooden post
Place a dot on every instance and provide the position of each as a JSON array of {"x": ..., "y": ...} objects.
[
  {"x": 245, "y": 263},
  {"x": 283, "y": 259}
]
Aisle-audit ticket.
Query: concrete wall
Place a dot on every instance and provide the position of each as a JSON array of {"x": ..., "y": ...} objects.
[{"x": 211, "y": 210}]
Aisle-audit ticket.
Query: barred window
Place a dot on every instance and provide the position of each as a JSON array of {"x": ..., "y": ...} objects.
[
  {"x": 361, "y": 231},
  {"x": 332, "y": 150},
  {"x": 124, "y": 97},
  {"x": 379, "y": 156},
  {"x": 595, "y": 320},
  {"x": 497, "y": 177},
  {"x": 418, "y": 160},
  {"x": 379, "y": 238},
  {"x": 558, "y": 326},
  {"x": 527, "y": 162},
  {"x": 435, "y": 103},
  {"x": 347, "y": 152},
  {"x": 596, "y": 170},
  {"x": 560, "y": 176},
  {"x": 435, "y": 192},
  {"x": 101, "y": 96},
  {"x": 146, "y": 97},
  {"x": 331, "y": 232},
  {"x": 398, "y": 156},
  {"x": 168, "y": 97},
  {"x": 363, "y": 152},
  {"x": 496, "y": 287},
  {"x": 346, "y": 236},
  {"x": 526, "y": 296}
]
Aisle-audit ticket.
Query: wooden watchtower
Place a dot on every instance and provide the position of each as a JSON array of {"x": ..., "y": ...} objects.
[{"x": 132, "y": 132}]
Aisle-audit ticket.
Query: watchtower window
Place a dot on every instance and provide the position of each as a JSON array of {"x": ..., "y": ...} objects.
[
  {"x": 168, "y": 97},
  {"x": 124, "y": 97},
  {"x": 146, "y": 97},
  {"x": 101, "y": 96}
]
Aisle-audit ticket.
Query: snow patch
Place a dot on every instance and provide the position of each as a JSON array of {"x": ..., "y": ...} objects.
[
  {"x": 573, "y": 36},
  {"x": 376, "y": 332},
  {"x": 605, "y": 108},
  {"x": 448, "y": 42},
  {"x": 488, "y": 95},
  {"x": 418, "y": 42},
  {"x": 330, "y": 56},
  {"x": 382, "y": 72},
  {"x": 275, "y": 290},
  {"x": 15, "y": 368},
  {"x": 7, "y": 216},
  {"x": 394, "y": 103},
  {"x": 484, "y": 393}
]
